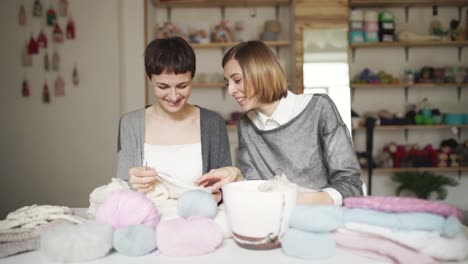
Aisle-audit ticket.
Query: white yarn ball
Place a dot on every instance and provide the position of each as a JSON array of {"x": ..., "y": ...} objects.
[{"x": 72, "y": 243}]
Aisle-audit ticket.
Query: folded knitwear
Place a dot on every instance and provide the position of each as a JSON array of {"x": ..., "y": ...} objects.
[
  {"x": 449, "y": 227},
  {"x": 403, "y": 205}
]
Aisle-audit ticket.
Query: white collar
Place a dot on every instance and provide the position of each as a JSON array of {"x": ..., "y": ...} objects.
[{"x": 282, "y": 113}]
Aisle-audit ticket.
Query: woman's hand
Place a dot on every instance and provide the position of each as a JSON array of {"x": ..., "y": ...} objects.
[
  {"x": 217, "y": 178},
  {"x": 314, "y": 198},
  {"x": 142, "y": 179}
]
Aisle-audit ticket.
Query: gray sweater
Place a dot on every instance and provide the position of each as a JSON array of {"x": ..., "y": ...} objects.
[
  {"x": 216, "y": 152},
  {"x": 314, "y": 150}
]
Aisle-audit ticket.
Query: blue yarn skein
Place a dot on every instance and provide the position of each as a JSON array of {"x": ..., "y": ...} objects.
[
  {"x": 197, "y": 203},
  {"x": 308, "y": 245},
  {"x": 135, "y": 240}
]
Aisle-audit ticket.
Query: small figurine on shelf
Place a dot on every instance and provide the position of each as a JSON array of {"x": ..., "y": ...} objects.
[
  {"x": 222, "y": 32},
  {"x": 22, "y": 15},
  {"x": 426, "y": 75},
  {"x": 71, "y": 29},
  {"x": 454, "y": 31},
  {"x": 26, "y": 58},
  {"x": 169, "y": 30},
  {"x": 25, "y": 89},
  {"x": 59, "y": 88},
  {"x": 75, "y": 78},
  {"x": 33, "y": 47},
  {"x": 45, "y": 94},
  {"x": 42, "y": 40},
  {"x": 199, "y": 34},
  {"x": 240, "y": 32},
  {"x": 51, "y": 16},
  {"x": 57, "y": 34},
  {"x": 37, "y": 8},
  {"x": 46, "y": 62}
]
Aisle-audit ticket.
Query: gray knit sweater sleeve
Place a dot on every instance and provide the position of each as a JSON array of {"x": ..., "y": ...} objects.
[{"x": 130, "y": 142}]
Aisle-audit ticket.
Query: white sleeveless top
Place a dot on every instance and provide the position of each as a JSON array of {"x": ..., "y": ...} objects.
[{"x": 183, "y": 162}]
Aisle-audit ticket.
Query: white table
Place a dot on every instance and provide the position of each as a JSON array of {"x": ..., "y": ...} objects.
[{"x": 228, "y": 253}]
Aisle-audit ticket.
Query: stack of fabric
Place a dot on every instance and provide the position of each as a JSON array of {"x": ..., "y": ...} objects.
[
  {"x": 402, "y": 230},
  {"x": 21, "y": 230}
]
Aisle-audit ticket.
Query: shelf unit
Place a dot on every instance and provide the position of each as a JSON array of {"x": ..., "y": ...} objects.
[
  {"x": 221, "y": 5},
  {"x": 407, "y": 45}
]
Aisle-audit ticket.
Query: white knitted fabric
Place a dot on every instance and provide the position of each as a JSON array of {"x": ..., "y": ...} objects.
[{"x": 37, "y": 215}]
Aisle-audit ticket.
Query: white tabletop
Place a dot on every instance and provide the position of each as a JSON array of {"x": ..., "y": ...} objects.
[{"x": 228, "y": 253}]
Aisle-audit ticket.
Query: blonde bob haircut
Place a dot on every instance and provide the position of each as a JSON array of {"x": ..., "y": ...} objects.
[{"x": 264, "y": 77}]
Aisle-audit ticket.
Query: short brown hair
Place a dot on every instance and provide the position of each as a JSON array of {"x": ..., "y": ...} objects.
[
  {"x": 171, "y": 55},
  {"x": 264, "y": 77}
]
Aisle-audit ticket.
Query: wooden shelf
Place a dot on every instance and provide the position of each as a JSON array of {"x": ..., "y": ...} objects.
[
  {"x": 407, "y": 44},
  {"x": 208, "y": 85},
  {"x": 413, "y": 127},
  {"x": 219, "y": 3},
  {"x": 426, "y": 169},
  {"x": 402, "y": 85},
  {"x": 278, "y": 43},
  {"x": 406, "y": 3}
]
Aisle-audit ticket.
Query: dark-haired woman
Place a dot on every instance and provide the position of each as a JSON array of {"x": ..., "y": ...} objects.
[{"x": 171, "y": 137}]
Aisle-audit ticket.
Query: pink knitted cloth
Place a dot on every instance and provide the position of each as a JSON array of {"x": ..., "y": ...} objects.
[{"x": 403, "y": 205}]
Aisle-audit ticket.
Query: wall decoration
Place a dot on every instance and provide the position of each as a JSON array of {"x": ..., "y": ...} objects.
[
  {"x": 57, "y": 34},
  {"x": 51, "y": 16},
  {"x": 33, "y": 47},
  {"x": 25, "y": 88},
  {"x": 63, "y": 8},
  {"x": 70, "y": 28},
  {"x": 46, "y": 62},
  {"x": 37, "y": 8},
  {"x": 42, "y": 40},
  {"x": 55, "y": 61},
  {"x": 75, "y": 77},
  {"x": 59, "y": 89},
  {"x": 26, "y": 58},
  {"x": 22, "y": 15},
  {"x": 45, "y": 94}
]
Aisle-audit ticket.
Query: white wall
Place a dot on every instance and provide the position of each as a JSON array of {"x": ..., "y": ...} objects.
[
  {"x": 58, "y": 153},
  {"x": 392, "y": 60}
]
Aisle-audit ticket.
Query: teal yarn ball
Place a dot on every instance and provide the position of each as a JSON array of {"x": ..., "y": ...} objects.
[
  {"x": 135, "y": 240},
  {"x": 197, "y": 203}
]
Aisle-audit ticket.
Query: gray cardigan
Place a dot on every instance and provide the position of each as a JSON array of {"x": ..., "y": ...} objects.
[
  {"x": 314, "y": 150},
  {"x": 216, "y": 152}
]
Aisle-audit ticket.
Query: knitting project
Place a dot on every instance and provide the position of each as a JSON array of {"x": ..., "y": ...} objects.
[
  {"x": 403, "y": 204},
  {"x": 36, "y": 215}
]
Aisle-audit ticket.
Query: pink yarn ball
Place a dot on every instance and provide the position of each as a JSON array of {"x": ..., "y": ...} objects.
[
  {"x": 126, "y": 207},
  {"x": 193, "y": 236}
]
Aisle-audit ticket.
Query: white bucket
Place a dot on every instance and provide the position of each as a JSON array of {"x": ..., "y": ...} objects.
[{"x": 258, "y": 219}]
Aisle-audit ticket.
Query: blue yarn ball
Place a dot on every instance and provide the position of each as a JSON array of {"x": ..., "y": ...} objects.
[
  {"x": 135, "y": 240},
  {"x": 197, "y": 203}
]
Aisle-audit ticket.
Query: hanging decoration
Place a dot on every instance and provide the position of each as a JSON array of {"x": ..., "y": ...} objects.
[
  {"x": 70, "y": 28},
  {"x": 42, "y": 40},
  {"x": 63, "y": 8},
  {"x": 75, "y": 77},
  {"x": 37, "y": 8},
  {"x": 22, "y": 15},
  {"x": 55, "y": 61},
  {"x": 46, "y": 62},
  {"x": 25, "y": 88},
  {"x": 45, "y": 94},
  {"x": 33, "y": 47},
  {"x": 51, "y": 16},
  {"x": 57, "y": 34},
  {"x": 25, "y": 56},
  {"x": 59, "y": 89}
]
